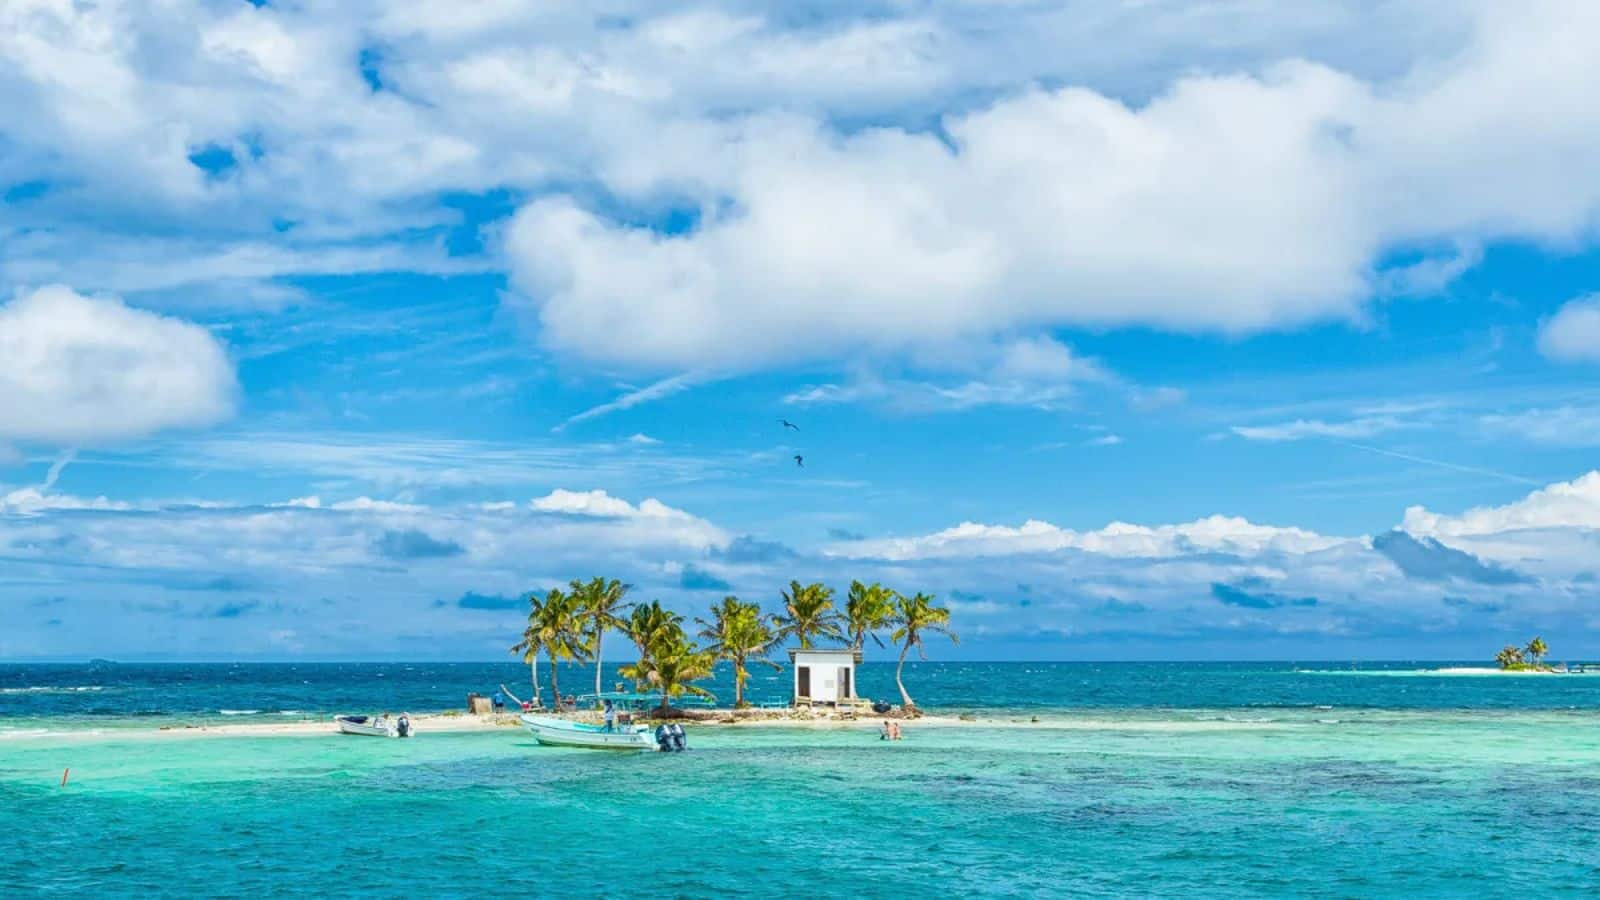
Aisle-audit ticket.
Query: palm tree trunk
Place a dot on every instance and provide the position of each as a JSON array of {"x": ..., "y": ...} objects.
[
  {"x": 555, "y": 682},
  {"x": 738, "y": 683},
  {"x": 599, "y": 634},
  {"x": 905, "y": 698}
]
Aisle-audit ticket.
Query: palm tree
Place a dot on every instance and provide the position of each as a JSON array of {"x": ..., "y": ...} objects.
[
  {"x": 645, "y": 625},
  {"x": 599, "y": 602},
  {"x": 1508, "y": 656},
  {"x": 738, "y": 633},
  {"x": 808, "y": 612},
  {"x": 914, "y": 616},
  {"x": 531, "y": 644},
  {"x": 672, "y": 666},
  {"x": 1537, "y": 649},
  {"x": 561, "y": 634},
  {"x": 867, "y": 609}
]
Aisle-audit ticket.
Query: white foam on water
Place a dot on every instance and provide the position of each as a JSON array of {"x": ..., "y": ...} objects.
[{"x": 239, "y": 712}]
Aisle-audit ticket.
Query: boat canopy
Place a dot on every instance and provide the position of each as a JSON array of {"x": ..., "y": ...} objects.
[
  {"x": 628, "y": 696},
  {"x": 638, "y": 699}
]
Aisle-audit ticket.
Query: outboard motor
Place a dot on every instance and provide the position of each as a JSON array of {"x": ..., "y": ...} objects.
[
  {"x": 663, "y": 738},
  {"x": 403, "y": 726},
  {"x": 680, "y": 742}
]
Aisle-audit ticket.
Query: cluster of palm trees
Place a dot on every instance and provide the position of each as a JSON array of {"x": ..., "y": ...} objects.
[
  {"x": 1511, "y": 657},
  {"x": 570, "y": 624}
]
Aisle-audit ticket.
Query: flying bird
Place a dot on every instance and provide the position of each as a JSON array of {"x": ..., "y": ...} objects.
[
  {"x": 788, "y": 424},
  {"x": 800, "y": 460}
]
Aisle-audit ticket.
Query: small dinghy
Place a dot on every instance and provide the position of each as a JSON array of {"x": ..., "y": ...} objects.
[
  {"x": 375, "y": 726},
  {"x": 561, "y": 733}
]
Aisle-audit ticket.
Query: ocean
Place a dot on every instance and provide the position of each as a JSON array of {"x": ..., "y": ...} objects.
[{"x": 1075, "y": 779}]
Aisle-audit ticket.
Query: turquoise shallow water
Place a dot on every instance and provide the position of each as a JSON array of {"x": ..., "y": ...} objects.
[{"x": 1127, "y": 800}]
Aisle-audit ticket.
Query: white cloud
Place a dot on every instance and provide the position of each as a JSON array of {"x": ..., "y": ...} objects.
[
  {"x": 650, "y": 514},
  {"x": 1038, "y": 372},
  {"x": 77, "y": 369},
  {"x": 1143, "y": 193},
  {"x": 666, "y": 387},
  {"x": 1563, "y": 426},
  {"x": 1228, "y": 203},
  {"x": 1221, "y": 534},
  {"x": 1567, "y": 504},
  {"x": 1573, "y": 334},
  {"x": 31, "y": 501},
  {"x": 1300, "y": 429}
]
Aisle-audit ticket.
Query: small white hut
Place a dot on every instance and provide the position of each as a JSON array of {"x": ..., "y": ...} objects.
[{"x": 824, "y": 676}]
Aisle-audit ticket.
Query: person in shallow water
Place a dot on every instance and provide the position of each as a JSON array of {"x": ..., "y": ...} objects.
[{"x": 610, "y": 716}]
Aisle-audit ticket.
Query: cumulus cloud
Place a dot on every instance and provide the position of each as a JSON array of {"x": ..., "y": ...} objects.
[
  {"x": 1567, "y": 504},
  {"x": 761, "y": 170},
  {"x": 599, "y": 503},
  {"x": 1229, "y": 203},
  {"x": 76, "y": 369},
  {"x": 1573, "y": 333}
]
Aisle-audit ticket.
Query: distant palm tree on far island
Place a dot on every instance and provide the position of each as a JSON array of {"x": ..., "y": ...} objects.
[{"x": 1524, "y": 659}]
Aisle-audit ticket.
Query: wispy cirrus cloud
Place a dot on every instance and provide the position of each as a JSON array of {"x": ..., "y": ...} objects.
[{"x": 1302, "y": 429}]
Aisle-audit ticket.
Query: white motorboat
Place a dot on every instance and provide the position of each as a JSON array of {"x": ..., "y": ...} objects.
[
  {"x": 375, "y": 726},
  {"x": 561, "y": 733}
]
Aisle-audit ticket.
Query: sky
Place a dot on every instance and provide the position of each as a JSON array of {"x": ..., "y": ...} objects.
[{"x": 1217, "y": 329}]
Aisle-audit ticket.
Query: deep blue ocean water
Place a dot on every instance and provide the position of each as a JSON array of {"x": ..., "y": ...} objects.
[
  {"x": 1101, "y": 780},
  {"x": 206, "y": 689}
]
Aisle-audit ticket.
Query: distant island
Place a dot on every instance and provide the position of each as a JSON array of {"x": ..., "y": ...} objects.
[{"x": 1524, "y": 659}]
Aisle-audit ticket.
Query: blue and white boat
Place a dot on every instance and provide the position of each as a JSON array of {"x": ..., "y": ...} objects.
[{"x": 561, "y": 733}]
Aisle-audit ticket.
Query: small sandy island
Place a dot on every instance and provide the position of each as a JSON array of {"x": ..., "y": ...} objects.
[
  {"x": 1486, "y": 670},
  {"x": 456, "y": 723}
]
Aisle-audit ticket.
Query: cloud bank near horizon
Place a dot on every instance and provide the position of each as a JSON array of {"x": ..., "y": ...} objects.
[{"x": 299, "y": 575}]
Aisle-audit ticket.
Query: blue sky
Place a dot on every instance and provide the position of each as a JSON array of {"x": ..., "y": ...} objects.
[{"x": 1165, "y": 330}]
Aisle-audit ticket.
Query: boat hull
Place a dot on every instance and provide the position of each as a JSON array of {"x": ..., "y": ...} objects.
[
  {"x": 561, "y": 733},
  {"x": 367, "y": 728}
]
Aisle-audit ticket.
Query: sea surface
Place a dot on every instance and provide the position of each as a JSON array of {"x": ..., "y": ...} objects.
[{"x": 1112, "y": 780}]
